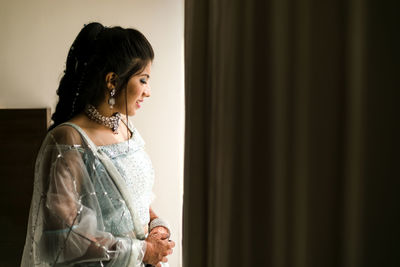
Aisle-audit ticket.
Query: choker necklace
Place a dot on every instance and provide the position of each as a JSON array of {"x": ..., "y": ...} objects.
[{"x": 110, "y": 122}]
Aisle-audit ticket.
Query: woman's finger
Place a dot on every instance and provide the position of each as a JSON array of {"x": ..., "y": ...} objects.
[
  {"x": 165, "y": 259},
  {"x": 171, "y": 244},
  {"x": 167, "y": 252},
  {"x": 158, "y": 265},
  {"x": 164, "y": 236}
]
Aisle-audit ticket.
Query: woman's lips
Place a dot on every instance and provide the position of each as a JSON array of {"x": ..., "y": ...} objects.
[{"x": 138, "y": 103}]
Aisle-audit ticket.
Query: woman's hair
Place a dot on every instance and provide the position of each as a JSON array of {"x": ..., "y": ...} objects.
[{"x": 96, "y": 51}]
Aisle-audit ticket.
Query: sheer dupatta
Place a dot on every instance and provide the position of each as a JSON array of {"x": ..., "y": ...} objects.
[{"x": 81, "y": 213}]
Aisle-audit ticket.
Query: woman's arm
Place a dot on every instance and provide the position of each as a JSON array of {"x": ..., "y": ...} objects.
[
  {"x": 76, "y": 213},
  {"x": 158, "y": 244},
  {"x": 153, "y": 215},
  {"x": 162, "y": 229},
  {"x": 73, "y": 224}
]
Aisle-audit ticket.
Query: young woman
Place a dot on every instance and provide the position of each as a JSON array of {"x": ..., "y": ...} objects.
[{"x": 93, "y": 179}]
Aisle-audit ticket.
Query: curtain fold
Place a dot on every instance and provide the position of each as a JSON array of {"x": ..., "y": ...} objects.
[{"x": 291, "y": 138}]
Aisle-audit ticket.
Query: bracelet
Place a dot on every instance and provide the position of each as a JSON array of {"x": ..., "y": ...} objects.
[{"x": 159, "y": 222}]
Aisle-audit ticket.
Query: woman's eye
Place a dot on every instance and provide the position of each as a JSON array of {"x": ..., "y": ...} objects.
[{"x": 143, "y": 81}]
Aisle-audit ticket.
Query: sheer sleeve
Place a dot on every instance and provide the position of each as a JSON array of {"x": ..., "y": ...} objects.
[{"x": 77, "y": 216}]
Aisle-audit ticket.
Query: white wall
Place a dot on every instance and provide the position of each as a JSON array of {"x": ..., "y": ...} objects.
[{"x": 35, "y": 38}]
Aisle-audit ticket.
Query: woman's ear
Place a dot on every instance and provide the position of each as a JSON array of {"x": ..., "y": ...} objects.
[{"x": 111, "y": 80}]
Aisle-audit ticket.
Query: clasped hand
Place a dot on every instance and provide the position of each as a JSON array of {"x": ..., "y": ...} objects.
[{"x": 158, "y": 246}]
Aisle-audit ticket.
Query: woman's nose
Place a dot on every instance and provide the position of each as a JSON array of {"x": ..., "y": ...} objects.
[{"x": 147, "y": 92}]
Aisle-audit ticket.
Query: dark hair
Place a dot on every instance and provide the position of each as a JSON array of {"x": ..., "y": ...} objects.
[{"x": 96, "y": 51}]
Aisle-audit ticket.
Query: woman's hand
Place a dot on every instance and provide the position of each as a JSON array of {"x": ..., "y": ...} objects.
[
  {"x": 160, "y": 230},
  {"x": 158, "y": 248}
]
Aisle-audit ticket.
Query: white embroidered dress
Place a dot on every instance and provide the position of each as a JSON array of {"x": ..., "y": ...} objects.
[{"x": 90, "y": 205}]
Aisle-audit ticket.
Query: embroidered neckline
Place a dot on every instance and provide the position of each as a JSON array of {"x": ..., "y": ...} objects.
[{"x": 122, "y": 148}]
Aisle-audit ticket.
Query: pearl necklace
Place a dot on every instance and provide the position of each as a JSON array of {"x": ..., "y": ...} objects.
[{"x": 111, "y": 122}]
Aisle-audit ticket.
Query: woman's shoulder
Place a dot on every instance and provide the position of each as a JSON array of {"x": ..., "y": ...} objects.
[
  {"x": 70, "y": 132},
  {"x": 62, "y": 140},
  {"x": 64, "y": 134}
]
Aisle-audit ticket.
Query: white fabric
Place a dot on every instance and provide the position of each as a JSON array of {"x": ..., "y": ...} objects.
[{"x": 82, "y": 212}]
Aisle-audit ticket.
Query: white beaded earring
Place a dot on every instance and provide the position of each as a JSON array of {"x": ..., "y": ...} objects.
[{"x": 111, "y": 100}]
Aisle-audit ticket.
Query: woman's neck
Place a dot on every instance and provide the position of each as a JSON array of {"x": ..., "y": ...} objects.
[{"x": 105, "y": 110}]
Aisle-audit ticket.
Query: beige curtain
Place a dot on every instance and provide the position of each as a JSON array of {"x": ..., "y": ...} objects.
[{"x": 291, "y": 147}]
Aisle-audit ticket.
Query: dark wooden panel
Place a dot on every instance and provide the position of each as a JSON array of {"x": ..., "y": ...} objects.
[{"x": 21, "y": 134}]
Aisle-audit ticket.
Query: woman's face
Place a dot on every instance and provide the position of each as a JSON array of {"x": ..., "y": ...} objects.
[{"x": 138, "y": 89}]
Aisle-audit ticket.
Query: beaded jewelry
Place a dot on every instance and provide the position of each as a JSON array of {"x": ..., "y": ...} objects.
[
  {"x": 111, "y": 100},
  {"x": 110, "y": 122},
  {"x": 83, "y": 74},
  {"x": 78, "y": 87},
  {"x": 159, "y": 222}
]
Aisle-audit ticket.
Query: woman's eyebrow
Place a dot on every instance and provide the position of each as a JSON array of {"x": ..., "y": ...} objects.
[{"x": 145, "y": 74}]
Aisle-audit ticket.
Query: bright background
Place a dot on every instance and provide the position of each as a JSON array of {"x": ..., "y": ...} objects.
[{"x": 35, "y": 39}]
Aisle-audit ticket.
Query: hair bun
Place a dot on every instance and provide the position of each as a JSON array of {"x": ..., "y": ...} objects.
[{"x": 84, "y": 44}]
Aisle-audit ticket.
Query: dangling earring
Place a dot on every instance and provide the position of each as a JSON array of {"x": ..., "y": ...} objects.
[{"x": 111, "y": 100}]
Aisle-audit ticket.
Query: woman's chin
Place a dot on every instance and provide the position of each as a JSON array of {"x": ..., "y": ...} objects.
[{"x": 132, "y": 112}]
